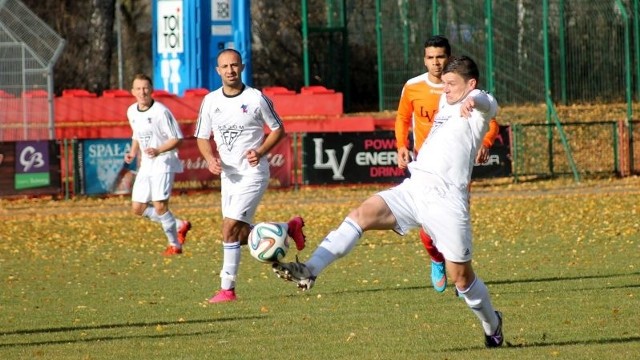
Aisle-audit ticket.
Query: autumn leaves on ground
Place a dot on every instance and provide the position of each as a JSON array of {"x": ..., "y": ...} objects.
[{"x": 85, "y": 279}]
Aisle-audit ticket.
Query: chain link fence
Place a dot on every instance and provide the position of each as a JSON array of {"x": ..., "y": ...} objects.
[
  {"x": 28, "y": 51},
  {"x": 587, "y": 42},
  {"x": 537, "y": 149}
]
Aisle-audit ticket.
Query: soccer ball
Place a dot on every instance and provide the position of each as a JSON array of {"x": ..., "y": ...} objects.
[{"x": 268, "y": 242}]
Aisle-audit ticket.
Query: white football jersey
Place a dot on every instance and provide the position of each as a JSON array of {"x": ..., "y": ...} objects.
[
  {"x": 237, "y": 124},
  {"x": 152, "y": 128},
  {"x": 450, "y": 150}
]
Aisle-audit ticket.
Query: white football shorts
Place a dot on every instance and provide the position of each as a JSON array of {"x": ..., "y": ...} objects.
[
  {"x": 442, "y": 212},
  {"x": 155, "y": 187},
  {"x": 241, "y": 195}
]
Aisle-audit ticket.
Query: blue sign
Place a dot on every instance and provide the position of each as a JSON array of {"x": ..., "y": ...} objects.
[
  {"x": 104, "y": 170},
  {"x": 187, "y": 36}
]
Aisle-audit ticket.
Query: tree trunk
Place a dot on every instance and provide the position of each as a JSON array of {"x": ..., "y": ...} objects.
[{"x": 100, "y": 39}]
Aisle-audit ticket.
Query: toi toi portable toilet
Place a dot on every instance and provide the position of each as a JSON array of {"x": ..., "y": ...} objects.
[{"x": 187, "y": 36}]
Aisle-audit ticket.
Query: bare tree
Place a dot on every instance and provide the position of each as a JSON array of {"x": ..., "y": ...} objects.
[
  {"x": 87, "y": 27},
  {"x": 89, "y": 60},
  {"x": 135, "y": 27},
  {"x": 100, "y": 40}
]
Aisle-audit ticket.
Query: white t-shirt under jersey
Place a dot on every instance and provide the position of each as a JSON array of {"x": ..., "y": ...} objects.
[
  {"x": 152, "y": 128},
  {"x": 237, "y": 123},
  {"x": 455, "y": 140}
]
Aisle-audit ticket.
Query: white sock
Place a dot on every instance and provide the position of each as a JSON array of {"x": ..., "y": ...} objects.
[
  {"x": 230, "y": 263},
  {"x": 150, "y": 212},
  {"x": 477, "y": 298},
  {"x": 170, "y": 229},
  {"x": 334, "y": 246}
]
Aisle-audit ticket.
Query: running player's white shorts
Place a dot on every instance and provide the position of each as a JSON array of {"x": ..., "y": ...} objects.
[
  {"x": 241, "y": 195},
  {"x": 441, "y": 211},
  {"x": 154, "y": 187}
]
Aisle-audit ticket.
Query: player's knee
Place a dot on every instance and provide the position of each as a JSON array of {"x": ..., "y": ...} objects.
[
  {"x": 137, "y": 210},
  {"x": 360, "y": 217},
  {"x": 461, "y": 274},
  {"x": 233, "y": 230},
  {"x": 161, "y": 207}
]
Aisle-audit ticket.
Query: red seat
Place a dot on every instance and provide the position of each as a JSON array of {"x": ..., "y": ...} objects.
[
  {"x": 113, "y": 93},
  {"x": 196, "y": 92},
  {"x": 162, "y": 93},
  {"x": 277, "y": 90},
  {"x": 36, "y": 93},
  {"x": 6, "y": 95},
  {"x": 77, "y": 93},
  {"x": 316, "y": 89}
]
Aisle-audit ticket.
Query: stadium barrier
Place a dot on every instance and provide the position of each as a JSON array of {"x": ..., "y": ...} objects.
[
  {"x": 360, "y": 158},
  {"x": 598, "y": 148},
  {"x": 95, "y": 167},
  {"x": 323, "y": 145},
  {"x": 79, "y": 113},
  {"x": 30, "y": 168},
  {"x": 72, "y": 167}
]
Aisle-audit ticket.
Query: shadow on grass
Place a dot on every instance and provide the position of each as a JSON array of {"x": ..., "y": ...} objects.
[
  {"x": 577, "y": 342},
  {"x": 70, "y": 329},
  {"x": 580, "y": 277},
  {"x": 536, "y": 344},
  {"x": 498, "y": 282}
]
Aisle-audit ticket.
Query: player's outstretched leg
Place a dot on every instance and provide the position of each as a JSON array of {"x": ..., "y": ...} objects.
[
  {"x": 495, "y": 340},
  {"x": 438, "y": 273},
  {"x": 296, "y": 272},
  {"x": 294, "y": 230}
]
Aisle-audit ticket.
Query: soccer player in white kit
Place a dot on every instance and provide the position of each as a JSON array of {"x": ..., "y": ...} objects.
[
  {"x": 236, "y": 115},
  {"x": 156, "y": 137},
  {"x": 435, "y": 197}
]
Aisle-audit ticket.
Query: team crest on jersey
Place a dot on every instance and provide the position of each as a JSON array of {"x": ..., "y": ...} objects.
[
  {"x": 229, "y": 136},
  {"x": 437, "y": 122},
  {"x": 245, "y": 108}
]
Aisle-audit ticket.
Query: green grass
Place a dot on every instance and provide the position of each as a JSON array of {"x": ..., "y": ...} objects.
[{"x": 83, "y": 279}]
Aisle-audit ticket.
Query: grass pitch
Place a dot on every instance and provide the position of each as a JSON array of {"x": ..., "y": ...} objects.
[{"x": 82, "y": 279}]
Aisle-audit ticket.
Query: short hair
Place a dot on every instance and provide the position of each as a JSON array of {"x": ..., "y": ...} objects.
[
  {"x": 463, "y": 66},
  {"x": 143, "y": 77},
  {"x": 439, "y": 41},
  {"x": 229, "y": 50}
]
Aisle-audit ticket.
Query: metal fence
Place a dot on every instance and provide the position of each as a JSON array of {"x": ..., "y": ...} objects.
[
  {"x": 537, "y": 149},
  {"x": 585, "y": 50},
  {"x": 28, "y": 50}
]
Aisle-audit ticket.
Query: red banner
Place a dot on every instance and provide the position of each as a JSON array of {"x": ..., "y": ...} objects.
[{"x": 196, "y": 176}]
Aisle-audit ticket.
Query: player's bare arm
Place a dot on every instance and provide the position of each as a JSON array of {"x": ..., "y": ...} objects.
[
  {"x": 213, "y": 162},
  {"x": 402, "y": 125},
  {"x": 254, "y": 155},
  {"x": 167, "y": 146},
  {"x": 487, "y": 142},
  {"x": 129, "y": 156},
  {"x": 403, "y": 157},
  {"x": 483, "y": 155}
]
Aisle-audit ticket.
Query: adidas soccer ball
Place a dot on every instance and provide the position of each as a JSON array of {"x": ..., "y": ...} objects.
[{"x": 268, "y": 242}]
